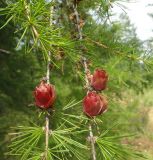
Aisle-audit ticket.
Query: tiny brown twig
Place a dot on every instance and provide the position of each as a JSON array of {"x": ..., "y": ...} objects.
[{"x": 4, "y": 51}]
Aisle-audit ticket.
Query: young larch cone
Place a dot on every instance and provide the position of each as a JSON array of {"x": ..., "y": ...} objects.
[
  {"x": 99, "y": 80},
  {"x": 94, "y": 104},
  {"x": 44, "y": 95}
]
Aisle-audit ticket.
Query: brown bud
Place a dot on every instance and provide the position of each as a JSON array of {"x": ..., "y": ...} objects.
[
  {"x": 81, "y": 23},
  {"x": 72, "y": 16},
  {"x": 60, "y": 54}
]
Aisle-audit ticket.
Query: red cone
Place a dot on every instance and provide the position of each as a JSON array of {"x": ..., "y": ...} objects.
[
  {"x": 99, "y": 80},
  {"x": 44, "y": 95},
  {"x": 94, "y": 104}
]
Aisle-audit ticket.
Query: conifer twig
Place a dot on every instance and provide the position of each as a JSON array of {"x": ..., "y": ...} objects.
[
  {"x": 87, "y": 74},
  {"x": 91, "y": 136},
  {"x": 4, "y": 51},
  {"x": 92, "y": 140},
  {"x": 27, "y": 12},
  {"x": 48, "y": 81},
  {"x": 78, "y": 21},
  {"x": 47, "y": 136},
  {"x": 47, "y": 116}
]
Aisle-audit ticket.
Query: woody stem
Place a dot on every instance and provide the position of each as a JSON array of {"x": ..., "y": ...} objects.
[
  {"x": 87, "y": 81},
  {"x": 91, "y": 136},
  {"x": 48, "y": 81},
  {"x": 47, "y": 117},
  {"x": 92, "y": 141},
  {"x": 47, "y": 137}
]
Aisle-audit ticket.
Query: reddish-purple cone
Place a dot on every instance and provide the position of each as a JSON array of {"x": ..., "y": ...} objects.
[
  {"x": 94, "y": 104},
  {"x": 44, "y": 95},
  {"x": 99, "y": 80}
]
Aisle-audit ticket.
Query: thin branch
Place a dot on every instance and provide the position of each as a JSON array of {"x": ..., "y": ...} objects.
[
  {"x": 114, "y": 51},
  {"x": 87, "y": 74},
  {"x": 78, "y": 21},
  {"x": 48, "y": 67},
  {"x": 4, "y": 51},
  {"x": 91, "y": 137},
  {"x": 47, "y": 136},
  {"x": 47, "y": 129},
  {"x": 96, "y": 43},
  {"x": 92, "y": 141},
  {"x": 27, "y": 12}
]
